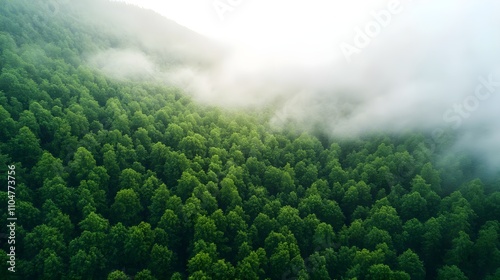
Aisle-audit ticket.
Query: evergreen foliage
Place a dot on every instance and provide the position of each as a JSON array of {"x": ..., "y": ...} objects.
[{"x": 120, "y": 179}]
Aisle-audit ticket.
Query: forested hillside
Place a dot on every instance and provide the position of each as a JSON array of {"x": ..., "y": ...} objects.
[{"x": 119, "y": 179}]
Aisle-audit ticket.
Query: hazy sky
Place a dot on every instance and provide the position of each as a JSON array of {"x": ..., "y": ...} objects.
[{"x": 305, "y": 31}]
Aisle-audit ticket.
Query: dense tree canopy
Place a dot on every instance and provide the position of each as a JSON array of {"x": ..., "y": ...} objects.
[{"x": 120, "y": 179}]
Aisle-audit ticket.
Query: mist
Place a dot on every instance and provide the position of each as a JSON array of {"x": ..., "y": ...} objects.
[{"x": 428, "y": 66}]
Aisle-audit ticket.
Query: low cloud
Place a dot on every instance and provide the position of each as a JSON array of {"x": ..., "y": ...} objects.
[
  {"x": 124, "y": 64},
  {"x": 429, "y": 58}
]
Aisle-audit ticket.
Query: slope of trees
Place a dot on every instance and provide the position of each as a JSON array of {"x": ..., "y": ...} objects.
[{"x": 133, "y": 179}]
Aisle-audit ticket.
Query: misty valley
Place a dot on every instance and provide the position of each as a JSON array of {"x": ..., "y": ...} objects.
[{"x": 132, "y": 147}]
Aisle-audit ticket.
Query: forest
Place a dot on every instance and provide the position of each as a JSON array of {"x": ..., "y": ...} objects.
[{"x": 132, "y": 179}]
